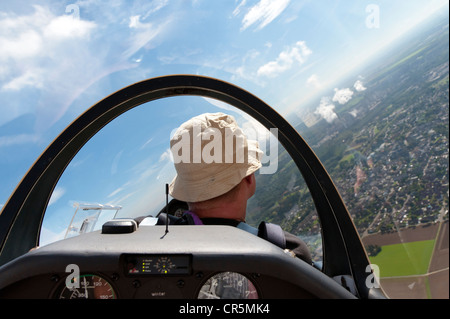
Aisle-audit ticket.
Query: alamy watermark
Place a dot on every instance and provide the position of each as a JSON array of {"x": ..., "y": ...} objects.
[
  {"x": 213, "y": 145},
  {"x": 373, "y": 17},
  {"x": 73, "y": 279},
  {"x": 372, "y": 279},
  {"x": 74, "y": 10}
]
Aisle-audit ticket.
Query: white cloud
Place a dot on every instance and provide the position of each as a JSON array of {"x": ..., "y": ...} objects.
[
  {"x": 359, "y": 86},
  {"x": 118, "y": 190},
  {"x": 248, "y": 67},
  {"x": 166, "y": 156},
  {"x": 342, "y": 96},
  {"x": 120, "y": 200},
  {"x": 58, "y": 192},
  {"x": 146, "y": 143},
  {"x": 142, "y": 35},
  {"x": 326, "y": 110},
  {"x": 32, "y": 78},
  {"x": 67, "y": 27},
  {"x": 154, "y": 6},
  {"x": 313, "y": 81},
  {"x": 286, "y": 60},
  {"x": 354, "y": 113},
  {"x": 27, "y": 43},
  {"x": 137, "y": 24},
  {"x": 264, "y": 12},
  {"x": 45, "y": 52},
  {"x": 115, "y": 162},
  {"x": 18, "y": 139},
  {"x": 33, "y": 35},
  {"x": 237, "y": 10}
]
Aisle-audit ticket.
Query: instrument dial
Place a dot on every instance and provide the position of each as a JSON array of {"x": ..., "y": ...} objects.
[
  {"x": 87, "y": 287},
  {"x": 164, "y": 265},
  {"x": 228, "y": 285}
]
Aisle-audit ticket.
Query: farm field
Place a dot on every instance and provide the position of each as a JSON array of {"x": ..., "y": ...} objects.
[
  {"x": 414, "y": 262},
  {"x": 409, "y": 259}
]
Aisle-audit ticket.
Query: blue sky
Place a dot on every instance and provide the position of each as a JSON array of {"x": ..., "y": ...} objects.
[{"x": 57, "y": 58}]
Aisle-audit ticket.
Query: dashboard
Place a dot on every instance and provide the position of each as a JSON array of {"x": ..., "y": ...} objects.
[{"x": 188, "y": 262}]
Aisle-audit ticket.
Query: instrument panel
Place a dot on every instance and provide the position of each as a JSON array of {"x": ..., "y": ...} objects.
[
  {"x": 154, "y": 277},
  {"x": 231, "y": 264},
  {"x": 157, "y": 276}
]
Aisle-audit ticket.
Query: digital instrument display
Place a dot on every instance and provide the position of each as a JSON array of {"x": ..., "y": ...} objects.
[{"x": 158, "y": 264}]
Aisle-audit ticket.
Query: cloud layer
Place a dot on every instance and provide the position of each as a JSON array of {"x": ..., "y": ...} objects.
[
  {"x": 342, "y": 96},
  {"x": 56, "y": 56},
  {"x": 28, "y": 42}
]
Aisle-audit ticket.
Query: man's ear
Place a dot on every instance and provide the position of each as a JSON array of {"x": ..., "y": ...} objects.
[
  {"x": 250, "y": 178},
  {"x": 251, "y": 185}
]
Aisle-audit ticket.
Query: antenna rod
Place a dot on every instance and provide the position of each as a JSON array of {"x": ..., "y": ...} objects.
[{"x": 167, "y": 209}]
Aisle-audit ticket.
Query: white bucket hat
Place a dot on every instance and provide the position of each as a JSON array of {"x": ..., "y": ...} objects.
[{"x": 211, "y": 155}]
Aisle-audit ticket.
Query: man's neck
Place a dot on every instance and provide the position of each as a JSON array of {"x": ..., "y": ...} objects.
[{"x": 226, "y": 211}]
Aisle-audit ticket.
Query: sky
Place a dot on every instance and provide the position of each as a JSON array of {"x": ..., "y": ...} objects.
[{"x": 57, "y": 58}]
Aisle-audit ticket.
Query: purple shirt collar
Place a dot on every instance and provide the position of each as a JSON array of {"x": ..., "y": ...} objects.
[{"x": 196, "y": 219}]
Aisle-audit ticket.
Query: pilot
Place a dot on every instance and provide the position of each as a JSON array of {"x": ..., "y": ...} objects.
[{"x": 216, "y": 166}]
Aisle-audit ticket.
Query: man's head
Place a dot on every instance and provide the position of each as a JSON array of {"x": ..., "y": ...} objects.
[{"x": 212, "y": 156}]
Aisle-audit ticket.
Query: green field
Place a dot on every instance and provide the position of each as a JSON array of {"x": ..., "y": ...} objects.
[{"x": 404, "y": 259}]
